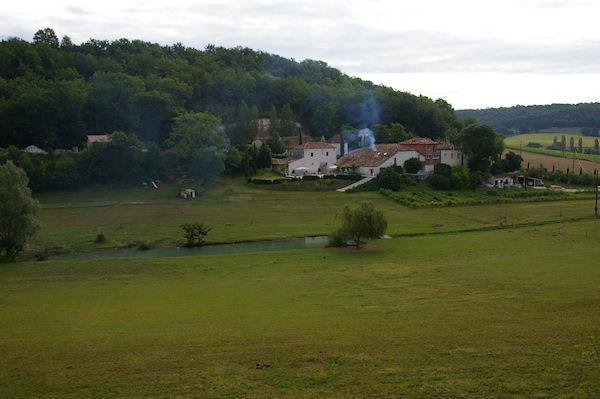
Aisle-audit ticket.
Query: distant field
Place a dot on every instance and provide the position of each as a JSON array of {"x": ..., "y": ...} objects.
[
  {"x": 534, "y": 160},
  {"x": 546, "y": 139},
  {"x": 504, "y": 314},
  {"x": 244, "y": 212}
]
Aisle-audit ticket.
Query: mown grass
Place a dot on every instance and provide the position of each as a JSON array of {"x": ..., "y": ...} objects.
[
  {"x": 503, "y": 314},
  {"x": 243, "y": 212},
  {"x": 547, "y": 139}
]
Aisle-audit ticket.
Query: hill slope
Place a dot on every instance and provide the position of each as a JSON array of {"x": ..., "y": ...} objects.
[
  {"x": 525, "y": 119},
  {"x": 54, "y": 95}
]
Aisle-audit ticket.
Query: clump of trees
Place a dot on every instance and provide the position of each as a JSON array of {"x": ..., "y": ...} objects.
[
  {"x": 358, "y": 222},
  {"x": 18, "y": 211}
]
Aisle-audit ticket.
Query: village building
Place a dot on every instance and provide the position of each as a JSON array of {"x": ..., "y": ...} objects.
[
  {"x": 514, "y": 179},
  {"x": 33, "y": 149},
  {"x": 96, "y": 138},
  {"x": 307, "y": 158},
  {"x": 451, "y": 155},
  {"x": 368, "y": 161}
]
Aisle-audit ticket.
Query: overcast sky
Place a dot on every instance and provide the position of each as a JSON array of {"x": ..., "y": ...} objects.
[{"x": 472, "y": 53}]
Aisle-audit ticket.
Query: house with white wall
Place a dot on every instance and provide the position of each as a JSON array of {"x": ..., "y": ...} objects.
[
  {"x": 308, "y": 158},
  {"x": 368, "y": 161}
]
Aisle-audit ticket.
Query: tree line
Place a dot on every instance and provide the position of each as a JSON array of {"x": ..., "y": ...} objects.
[
  {"x": 53, "y": 92},
  {"x": 528, "y": 119}
]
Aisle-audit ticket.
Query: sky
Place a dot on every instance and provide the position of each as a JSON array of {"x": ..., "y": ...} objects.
[{"x": 472, "y": 53}]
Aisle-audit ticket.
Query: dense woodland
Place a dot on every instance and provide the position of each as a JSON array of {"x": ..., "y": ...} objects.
[
  {"x": 53, "y": 93},
  {"x": 528, "y": 119}
]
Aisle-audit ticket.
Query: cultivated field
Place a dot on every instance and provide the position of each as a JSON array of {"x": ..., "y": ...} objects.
[{"x": 534, "y": 160}]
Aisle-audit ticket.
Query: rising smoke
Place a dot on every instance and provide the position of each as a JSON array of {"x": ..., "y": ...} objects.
[{"x": 365, "y": 114}]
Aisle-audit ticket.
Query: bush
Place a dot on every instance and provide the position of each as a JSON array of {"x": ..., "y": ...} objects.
[
  {"x": 477, "y": 178},
  {"x": 100, "y": 238},
  {"x": 194, "y": 233},
  {"x": 389, "y": 178},
  {"x": 532, "y": 144},
  {"x": 443, "y": 170},
  {"x": 336, "y": 239},
  {"x": 413, "y": 165},
  {"x": 440, "y": 182},
  {"x": 310, "y": 177}
]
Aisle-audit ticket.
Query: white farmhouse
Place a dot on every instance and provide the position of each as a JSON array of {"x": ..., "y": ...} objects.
[
  {"x": 369, "y": 161},
  {"x": 308, "y": 158},
  {"x": 451, "y": 155}
]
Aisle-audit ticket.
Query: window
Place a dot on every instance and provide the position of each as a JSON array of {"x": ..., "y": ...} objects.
[
  {"x": 311, "y": 154},
  {"x": 327, "y": 153}
]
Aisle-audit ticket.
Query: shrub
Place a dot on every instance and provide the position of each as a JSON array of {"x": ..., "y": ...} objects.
[
  {"x": 440, "y": 182},
  {"x": 443, "y": 170},
  {"x": 310, "y": 177},
  {"x": 100, "y": 238},
  {"x": 389, "y": 178},
  {"x": 194, "y": 233},
  {"x": 413, "y": 165}
]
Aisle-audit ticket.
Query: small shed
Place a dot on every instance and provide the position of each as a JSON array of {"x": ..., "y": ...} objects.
[{"x": 188, "y": 193}]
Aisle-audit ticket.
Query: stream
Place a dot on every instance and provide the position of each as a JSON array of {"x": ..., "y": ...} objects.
[{"x": 216, "y": 249}]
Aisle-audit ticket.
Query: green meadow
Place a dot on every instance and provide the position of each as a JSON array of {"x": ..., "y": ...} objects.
[
  {"x": 246, "y": 212},
  {"x": 504, "y": 314},
  {"x": 477, "y": 301},
  {"x": 519, "y": 142}
]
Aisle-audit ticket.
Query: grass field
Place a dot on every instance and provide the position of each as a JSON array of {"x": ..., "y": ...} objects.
[
  {"x": 546, "y": 139},
  {"x": 519, "y": 142},
  {"x": 246, "y": 212},
  {"x": 511, "y": 313}
]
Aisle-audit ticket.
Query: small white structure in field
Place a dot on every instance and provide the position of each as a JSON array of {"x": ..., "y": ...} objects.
[{"x": 188, "y": 193}]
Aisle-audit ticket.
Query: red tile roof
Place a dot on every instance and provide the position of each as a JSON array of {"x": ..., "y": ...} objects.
[
  {"x": 419, "y": 140},
  {"x": 367, "y": 157}
]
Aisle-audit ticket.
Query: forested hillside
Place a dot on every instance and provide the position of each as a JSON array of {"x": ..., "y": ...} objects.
[
  {"x": 527, "y": 119},
  {"x": 53, "y": 93}
]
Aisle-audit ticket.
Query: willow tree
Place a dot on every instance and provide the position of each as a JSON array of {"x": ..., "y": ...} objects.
[{"x": 361, "y": 221}]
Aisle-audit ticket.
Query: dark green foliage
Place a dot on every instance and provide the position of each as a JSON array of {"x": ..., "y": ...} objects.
[
  {"x": 413, "y": 165},
  {"x": 482, "y": 145},
  {"x": 477, "y": 178},
  {"x": 53, "y": 96},
  {"x": 18, "y": 211},
  {"x": 511, "y": 162},
  {"x": 194, "y": 233},
  {"x": 440, "y": 182},
  {"x": 534, "y": 145},
  {"x": 443, "y": 169},
  {"x": 390, "y": 178},
  {"x": 360, "y": 221},
  {"x": 100, "y": 238},
  {"x": 264, "y": 157},
  {"x": 536, "y": 117}
]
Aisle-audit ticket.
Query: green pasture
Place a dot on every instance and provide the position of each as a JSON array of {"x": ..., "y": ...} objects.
[
  {"x": 245, "y": 212},
  {"x": 546, "y": 139},
  {"x": 520, "y": 142},
  {"x": 510, "y": 313}
]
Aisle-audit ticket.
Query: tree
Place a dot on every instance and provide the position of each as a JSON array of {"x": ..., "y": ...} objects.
[
  {"x": 511, "y": 162},
  {"x": 390, "y": 178},
  {"x": 481, "y": 144},
  {"x": 413, "y": 165},
  {"x": 198, "y": 145},
  {"x": 580, "y": 145},
  {"x": 287, "y": 122},
  {"x": 194, "y": 233},
  {"x": 264, "y": 157},
  {"x": 361, "y": 221},
  {"x": 460, "y": 177},
  {"x": 47, "y": 36},
  {"x": 18, "y": 210}
]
